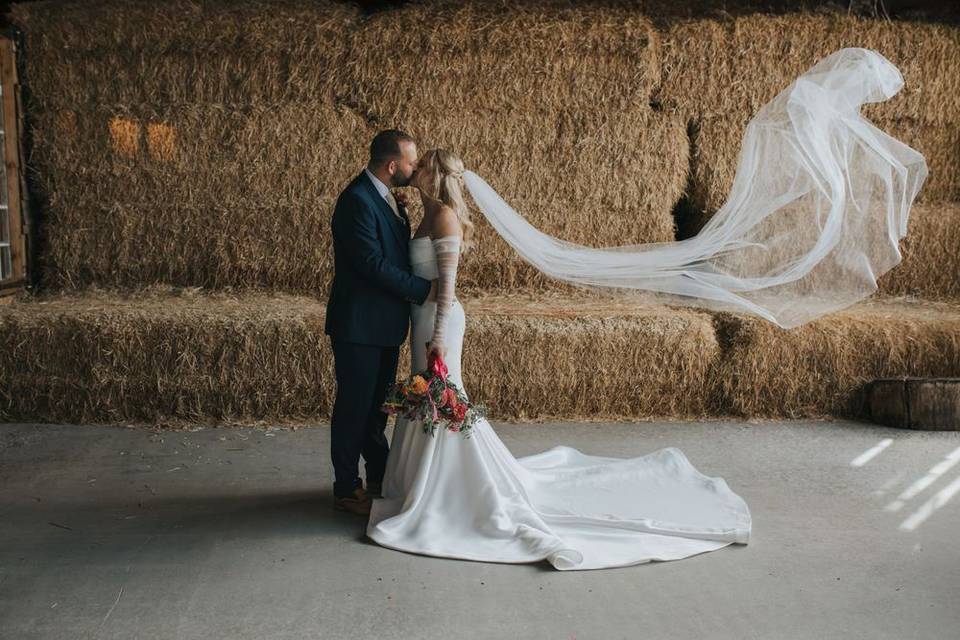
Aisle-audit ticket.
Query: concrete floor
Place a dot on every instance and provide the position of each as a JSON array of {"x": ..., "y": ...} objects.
[{"x": 229, "y": 533}]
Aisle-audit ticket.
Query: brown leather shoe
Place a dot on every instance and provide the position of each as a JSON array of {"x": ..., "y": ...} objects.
[
  {"x": 358, "y": 502},
  {"x": 374, "y": 489}
]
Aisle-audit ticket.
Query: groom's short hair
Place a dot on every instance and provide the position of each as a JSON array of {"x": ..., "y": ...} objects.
[{"x": 386, "y": 146}]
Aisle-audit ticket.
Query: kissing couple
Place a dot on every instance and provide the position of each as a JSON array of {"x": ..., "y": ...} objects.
[{"x": 444, "y": 495}]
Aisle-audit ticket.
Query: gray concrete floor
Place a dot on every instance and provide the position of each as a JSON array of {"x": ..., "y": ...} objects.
[{"x": 229, "y": 533}]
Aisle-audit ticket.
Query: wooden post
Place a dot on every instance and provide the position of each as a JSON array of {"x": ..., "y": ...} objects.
[{"x": 12, "y": 158}]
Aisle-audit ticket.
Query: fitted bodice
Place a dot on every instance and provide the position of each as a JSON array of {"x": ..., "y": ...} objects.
[
  {"x": 423, "y": 256},
  {"x": 423, "y": 259}
]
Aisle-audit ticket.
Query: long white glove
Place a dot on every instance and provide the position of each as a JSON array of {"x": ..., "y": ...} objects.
[{"x": 447, "y": 250}]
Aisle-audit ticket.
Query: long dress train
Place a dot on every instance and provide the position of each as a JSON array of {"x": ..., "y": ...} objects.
[{"x": 452, "y": 497}]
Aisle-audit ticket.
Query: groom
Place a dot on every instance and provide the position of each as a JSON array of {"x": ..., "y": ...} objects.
[{"x": 368, "y": 313}]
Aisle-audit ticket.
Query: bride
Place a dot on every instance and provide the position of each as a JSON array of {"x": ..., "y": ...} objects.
[
  {"x": 818, "y": 205},
  {"x": 447, "y": 496}
]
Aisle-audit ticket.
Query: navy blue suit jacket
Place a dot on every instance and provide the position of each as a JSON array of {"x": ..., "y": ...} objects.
[{"x": 372, "y": 284}]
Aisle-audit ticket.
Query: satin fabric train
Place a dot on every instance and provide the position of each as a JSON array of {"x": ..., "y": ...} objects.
[{"x": 471, "y": 499}]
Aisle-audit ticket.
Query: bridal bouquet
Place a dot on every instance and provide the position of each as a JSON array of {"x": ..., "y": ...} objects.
[{"x": 431, "y": 397}]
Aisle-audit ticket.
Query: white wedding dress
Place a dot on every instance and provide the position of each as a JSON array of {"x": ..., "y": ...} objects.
[
  {"x": 470, "y": 498},
  {"x": 819, "y": 202}
]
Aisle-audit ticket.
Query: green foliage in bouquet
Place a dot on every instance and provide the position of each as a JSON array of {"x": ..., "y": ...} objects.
[{"x": 432, "y": 398}]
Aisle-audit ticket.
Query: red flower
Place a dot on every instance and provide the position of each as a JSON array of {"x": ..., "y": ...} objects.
[
  {"x": 448, "y": 398},
  {"x": 437, "y": 367},
  {"x": 460, "y": 411}
]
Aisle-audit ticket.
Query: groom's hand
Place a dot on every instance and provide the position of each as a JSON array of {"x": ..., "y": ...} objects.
[{"x": 433, "y": 290}]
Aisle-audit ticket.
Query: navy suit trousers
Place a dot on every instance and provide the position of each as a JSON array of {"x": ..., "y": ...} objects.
[{"x": 363, "y": 374}]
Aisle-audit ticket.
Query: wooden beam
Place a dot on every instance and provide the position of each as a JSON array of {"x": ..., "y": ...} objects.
[{"x": 12, "y": 158}]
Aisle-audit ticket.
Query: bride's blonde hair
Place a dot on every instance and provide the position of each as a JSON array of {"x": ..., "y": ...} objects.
[{"x": 445, "y": 170}]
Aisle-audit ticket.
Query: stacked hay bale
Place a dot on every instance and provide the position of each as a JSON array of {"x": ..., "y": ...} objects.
[
  {"x": 181, "y": 357},
  {"x": 550, "y": 105},
  {"x": 255, "y": 116},
  {"x": 198, "y": 144},
  {"x": 931, "y": 254},
  {"x": 201, "y": 145},
  {"x": 716, "y": 74},
  {"x": 167, "y": 356},
  {"x": 822, "y": 368},
  {"x": 189, "y": 153}
]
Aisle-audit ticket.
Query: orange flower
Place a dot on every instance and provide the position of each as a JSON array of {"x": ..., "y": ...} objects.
[{"x": 419, "y": 385}]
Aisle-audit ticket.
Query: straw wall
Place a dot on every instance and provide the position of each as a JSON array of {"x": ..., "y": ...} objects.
[
  {"x": 191, "y": 195},
  {"x": 715, "y": 148},
  {"x": 203, "y": 144},
  {"x": 931, "y": 254},
  {"x": 732, "y": 68},
  {"x": 215, "y": 160},
  {"x": 503, "y": 57},
  {"x": 822, "y": 367},
  {"x": 179, "y": 356},
  {"x": 130, "y": 52},
  {"x": 717, "y": 74},
  {"x": 593, "y": 178}
]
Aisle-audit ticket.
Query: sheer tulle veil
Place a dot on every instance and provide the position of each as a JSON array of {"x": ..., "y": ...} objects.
[{"x": 818, "y": 205}]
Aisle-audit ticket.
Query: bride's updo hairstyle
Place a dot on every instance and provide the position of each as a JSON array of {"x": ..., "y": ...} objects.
[{"x": 445, "y": 172}]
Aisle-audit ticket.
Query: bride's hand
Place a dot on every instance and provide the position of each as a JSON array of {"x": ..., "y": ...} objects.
[{"x": 433, "y": 347}]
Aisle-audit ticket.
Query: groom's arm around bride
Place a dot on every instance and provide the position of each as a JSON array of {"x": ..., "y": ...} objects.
[{"x": 368, "y": 311}]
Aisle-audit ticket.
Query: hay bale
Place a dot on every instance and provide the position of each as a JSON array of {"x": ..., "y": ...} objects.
[
  {"x": 716, "y": 144},
  {"x": 823, "y": 367},
  {"x": 88, "y": 28},
  {"x": 940, "y": 145},
  {"x": 732, "y": 68},
  {"x": 132, "y": 51},
  {"x": 213, "y": 198},
  {"x": 161, "y": 355},
  {"x": 223, "y": 113},
  {"x": 235, "y": 78},
  {"x": 592, "y": 178},
  {"x": 503, "y": 57},
  {"x": 156, "y": 357},
  {"x": 247, "y": 194},
  {"x": 931, "y": 259},
  {"x": 202, "y": 26},
  {"x": 168, "y": 356},
  {"x": 194, "y": 129},
  {"x": 718, "y": 74},
  {"x": 587, "y": 357}
]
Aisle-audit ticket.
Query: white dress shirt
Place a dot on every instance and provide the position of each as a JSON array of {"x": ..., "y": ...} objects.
[{"x": 384, "y": 191}]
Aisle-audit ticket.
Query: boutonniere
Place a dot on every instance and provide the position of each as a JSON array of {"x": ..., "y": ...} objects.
[{"x": 403, "y": 200}]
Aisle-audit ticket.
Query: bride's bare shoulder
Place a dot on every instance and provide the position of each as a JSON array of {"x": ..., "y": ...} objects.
[{"x": 445, "y": 223}]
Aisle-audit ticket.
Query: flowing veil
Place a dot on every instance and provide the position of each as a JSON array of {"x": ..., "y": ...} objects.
[{"x": 818, "y": 205}]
